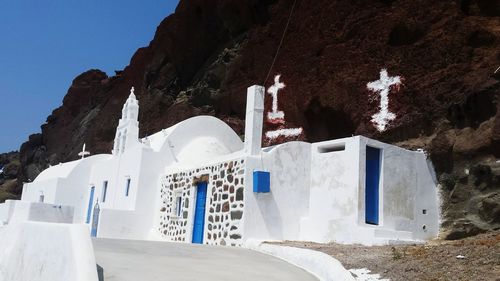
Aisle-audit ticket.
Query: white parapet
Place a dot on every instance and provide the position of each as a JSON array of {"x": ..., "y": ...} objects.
[
  {"x": 40, "y": 251},
  {"x": 15, "y": 211},
  {"x": 253, "y": 119}
]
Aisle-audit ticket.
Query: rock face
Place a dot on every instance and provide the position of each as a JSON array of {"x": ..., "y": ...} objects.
[
  {"x": 204, "y": 56},
  {"x": 9, "y": 167}
]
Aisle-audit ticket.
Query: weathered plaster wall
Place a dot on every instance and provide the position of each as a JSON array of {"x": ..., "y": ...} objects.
[
  {"x": 276, "y": 215},
  {"x": 333, "y": 182},
  {"x": 38, "y": 251},
  {"x": 224, "y": 205},
  {"x": 407, "y": 188}
]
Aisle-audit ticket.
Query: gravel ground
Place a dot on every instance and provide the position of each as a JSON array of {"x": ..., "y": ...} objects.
[{"x": 435, "y": 260}]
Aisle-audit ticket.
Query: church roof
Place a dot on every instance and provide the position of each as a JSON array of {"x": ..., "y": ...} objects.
[
  {"x": 196, "y": 139},
  {"x": 63, "y": 170}
]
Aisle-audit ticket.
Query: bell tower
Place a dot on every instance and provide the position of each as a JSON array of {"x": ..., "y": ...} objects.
[{"x": 127, "y": 132}]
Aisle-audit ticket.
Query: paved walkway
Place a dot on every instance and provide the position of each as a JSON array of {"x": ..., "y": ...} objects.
[{"x": 126, "y": 260}]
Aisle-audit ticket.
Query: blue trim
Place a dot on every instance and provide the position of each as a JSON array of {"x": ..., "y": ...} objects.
[
  {"x": 199, "y": 215},
  {"x": 91, "y": 200},
  {"x": 372, "y": 179}
]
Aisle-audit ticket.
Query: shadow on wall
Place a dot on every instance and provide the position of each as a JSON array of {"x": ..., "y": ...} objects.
[
  {"x": 271, "y": 213},
  {"x": 326, "y": 123},
  {"x": 100, "y": 272}
]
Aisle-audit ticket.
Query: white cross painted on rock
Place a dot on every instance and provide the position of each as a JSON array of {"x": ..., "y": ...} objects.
[
  {"x": 273, "y": 90},
  {"x": 383, "y": 87},
  {"x": 278, "y": 117}
]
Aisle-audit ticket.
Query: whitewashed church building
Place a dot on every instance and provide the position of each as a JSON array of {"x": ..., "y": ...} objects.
[{"x": 198, "y": 182}]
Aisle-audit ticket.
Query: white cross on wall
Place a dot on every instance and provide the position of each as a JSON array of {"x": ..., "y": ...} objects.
[
  {"x": 383, "y": 87},
  {"x": 273, "y": 90}
]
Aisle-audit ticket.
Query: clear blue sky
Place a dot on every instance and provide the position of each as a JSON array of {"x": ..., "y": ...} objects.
[{"x": 44, "y": 44}]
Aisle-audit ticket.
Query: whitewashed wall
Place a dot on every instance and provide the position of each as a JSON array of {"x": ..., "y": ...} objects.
[
  {"x": 35, "y": 251},
  {"x": 407, "y": 188},
  {"x": 318, "y": 194},
  {"x": 129, "y": 216},
  {"x": 334, "y": 192},
  {"x": 276, "y": 215},
  {"x": 69, "y": 187}
]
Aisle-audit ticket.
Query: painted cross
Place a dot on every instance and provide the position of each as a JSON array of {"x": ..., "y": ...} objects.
[
  {"x": 83, "y": 153},
  {"x": 276, "y": 116},
  {"x": 383, "y": 87}
]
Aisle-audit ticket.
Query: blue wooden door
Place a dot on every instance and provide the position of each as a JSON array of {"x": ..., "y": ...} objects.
[
  {"x": 199, "y": 215},
  {"x": 91, "y": 200},
  {"x": 372, "y": 185}
]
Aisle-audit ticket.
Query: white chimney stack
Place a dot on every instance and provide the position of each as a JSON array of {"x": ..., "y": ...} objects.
[{"x": 254, "y": 119}]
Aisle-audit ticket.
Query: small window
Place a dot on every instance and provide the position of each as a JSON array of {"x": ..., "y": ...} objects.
[
  {"x": 127, "y": 189},
  {"x": 178, "y": 206},
  {"x": 331, "y": 148},
  {"x": 41, "y": 198},
  {"x": 104, "y": 191},
  {"x": 91, "y": 201}
]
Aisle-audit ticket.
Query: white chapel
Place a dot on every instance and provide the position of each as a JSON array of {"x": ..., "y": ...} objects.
[{"x": 198, "y": 182}]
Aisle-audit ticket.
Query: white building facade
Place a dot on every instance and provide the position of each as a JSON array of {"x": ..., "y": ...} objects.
[{"x": 198, "y": 182}]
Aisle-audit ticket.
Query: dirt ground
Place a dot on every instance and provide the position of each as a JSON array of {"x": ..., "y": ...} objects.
[{"x": 436, "y": 260}]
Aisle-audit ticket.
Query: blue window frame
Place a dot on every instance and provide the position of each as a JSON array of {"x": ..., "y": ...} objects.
[
  {"x": 127, "y": 189},
  {"x": 91, "y": 200},
  {"x": 104, "y": 191}
]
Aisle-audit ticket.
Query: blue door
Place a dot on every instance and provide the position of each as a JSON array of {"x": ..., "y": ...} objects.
[
  {"x": 372, "y": 185},
  {"x": 91, "y": 200},
  {"x": 199, "y": 215}
]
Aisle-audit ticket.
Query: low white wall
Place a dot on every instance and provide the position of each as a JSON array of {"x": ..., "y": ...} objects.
[
  {"x": 36, "y": 251},
  {"x": 321, "y": 265},
  {"x": 6, "y": 211}
]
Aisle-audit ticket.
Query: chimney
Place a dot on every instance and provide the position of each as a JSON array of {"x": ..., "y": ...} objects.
[{"x": 254, "y": 119}]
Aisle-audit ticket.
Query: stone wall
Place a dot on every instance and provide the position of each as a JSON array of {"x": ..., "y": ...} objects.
[{"x": 224, "y": 207}]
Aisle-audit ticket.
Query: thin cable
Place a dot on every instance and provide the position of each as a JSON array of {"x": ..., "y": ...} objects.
[{"x": 281, "y": 43}]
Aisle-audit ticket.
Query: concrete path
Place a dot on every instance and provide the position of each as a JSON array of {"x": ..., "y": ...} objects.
[{"x": 126, "y": 260}]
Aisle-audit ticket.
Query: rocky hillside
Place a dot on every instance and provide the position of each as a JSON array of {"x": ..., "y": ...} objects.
[
  {"x": 204, "y": 56},
  {"x": 9, "y": 169}
]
